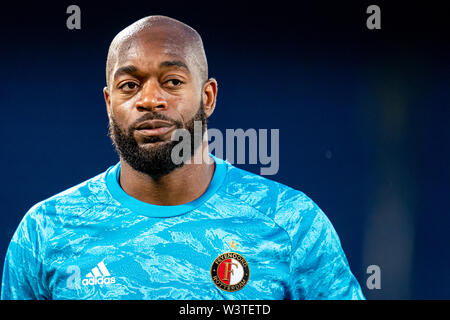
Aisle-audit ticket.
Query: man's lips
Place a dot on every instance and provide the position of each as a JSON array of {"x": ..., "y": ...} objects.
[{"x": 154, "y": 127}]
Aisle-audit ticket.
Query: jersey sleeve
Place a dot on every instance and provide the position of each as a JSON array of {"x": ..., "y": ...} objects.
[
  {"x": 319, "y": 269},
  {"x": 23, "y": 268}
]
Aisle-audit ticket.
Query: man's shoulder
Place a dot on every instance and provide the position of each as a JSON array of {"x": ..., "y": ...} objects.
[
  {"x": 290, "y": 209},
  {"x": 274, "y": 199},
  {"x": 246, "y": 182},
  {"x": 75, "y": 199}
]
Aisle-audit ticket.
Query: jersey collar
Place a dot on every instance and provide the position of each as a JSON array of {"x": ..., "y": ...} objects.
[{"x": 158, "y": 211}]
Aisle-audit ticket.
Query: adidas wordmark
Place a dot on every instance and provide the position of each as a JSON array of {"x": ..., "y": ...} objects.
[{"x": 98, "y": 275}]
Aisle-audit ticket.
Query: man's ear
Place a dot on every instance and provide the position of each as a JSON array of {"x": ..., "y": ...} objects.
[
  {"x": 209, "y": 96},
  {"x": 107, "y": 100}
]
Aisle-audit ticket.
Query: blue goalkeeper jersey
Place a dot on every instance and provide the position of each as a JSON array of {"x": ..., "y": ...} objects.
[{"x": 246, "y": 237}]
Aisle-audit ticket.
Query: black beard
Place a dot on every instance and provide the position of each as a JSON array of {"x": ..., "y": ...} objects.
[{"x": 156, "y": 162}]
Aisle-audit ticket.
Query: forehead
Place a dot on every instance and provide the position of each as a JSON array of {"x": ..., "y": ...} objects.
[{"x": 148, "y": 49}]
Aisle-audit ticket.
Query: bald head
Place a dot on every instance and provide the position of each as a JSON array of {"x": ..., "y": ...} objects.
[{"x": 172, "y": 35}]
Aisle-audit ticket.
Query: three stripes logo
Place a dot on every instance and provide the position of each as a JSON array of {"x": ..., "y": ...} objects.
[{"x": 98, "y": 275}]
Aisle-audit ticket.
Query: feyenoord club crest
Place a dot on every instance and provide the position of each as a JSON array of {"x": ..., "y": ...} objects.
[{"x": 230, "y": 272}]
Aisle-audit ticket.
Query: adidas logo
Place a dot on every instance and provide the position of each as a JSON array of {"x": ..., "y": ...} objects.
[{"x": 98, "y": 275}]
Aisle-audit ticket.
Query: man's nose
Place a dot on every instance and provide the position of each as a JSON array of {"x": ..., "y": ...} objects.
[{"x": 151, "y": 98}]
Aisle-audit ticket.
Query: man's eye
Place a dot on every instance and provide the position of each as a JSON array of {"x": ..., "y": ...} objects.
[
  {"x": 174, "y": 82},
  {"x": 128, "y": 86}
]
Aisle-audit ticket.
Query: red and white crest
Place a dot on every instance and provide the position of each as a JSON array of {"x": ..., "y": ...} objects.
[{"x": 230, "y": 271}]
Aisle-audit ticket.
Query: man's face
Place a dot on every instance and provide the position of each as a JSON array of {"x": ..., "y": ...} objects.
[{"x": 154, "y": 89}]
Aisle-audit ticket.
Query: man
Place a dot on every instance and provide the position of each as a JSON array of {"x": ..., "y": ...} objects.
[{"x": 152, "y": 228}]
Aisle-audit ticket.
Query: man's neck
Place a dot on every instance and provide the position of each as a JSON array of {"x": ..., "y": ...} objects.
[{"x": 181, "y": 186}]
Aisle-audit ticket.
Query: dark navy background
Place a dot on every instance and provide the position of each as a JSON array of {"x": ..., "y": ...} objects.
[{"x": 364, "y": 116}]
